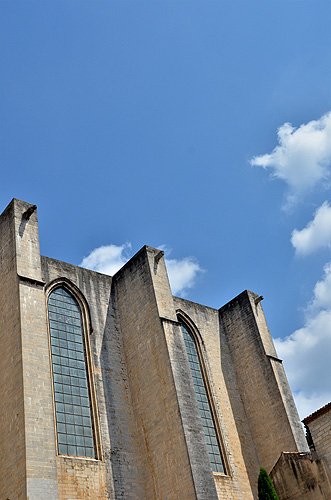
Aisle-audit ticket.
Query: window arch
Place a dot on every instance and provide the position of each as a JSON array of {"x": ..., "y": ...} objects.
[
  {"x": 206, "y": 408},
  {"x": 71, "y": 384}
]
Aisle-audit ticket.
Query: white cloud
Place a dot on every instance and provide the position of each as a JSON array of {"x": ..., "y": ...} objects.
[
  {"x": 306, "y": 352},
  {"x": 302, "y": 159},
  {"x": 182, "y": 274},
  {"x": 303, "y": 156},
  {"x": 109, "y": 259},
  {"x": 306, "y": 355},
  {"x": 317, "y": 233},
  {"x": 322, "y": 290}
]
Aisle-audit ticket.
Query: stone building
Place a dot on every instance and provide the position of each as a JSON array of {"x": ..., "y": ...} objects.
[
  {"x": 112, "y": 388},
  {"x": 305, "y": 476},
  {"x": 318, "y": 426}
]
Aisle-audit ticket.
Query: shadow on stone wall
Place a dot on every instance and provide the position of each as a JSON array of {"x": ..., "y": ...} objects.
[
  {"x": 296, "y": 476},
  {"x": 124, "y": 451}
]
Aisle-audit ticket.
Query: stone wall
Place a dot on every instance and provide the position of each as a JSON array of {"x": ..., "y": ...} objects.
[
  {"x": 240, "y": 480},
  {"x": 12, "y": 432},
  {"x": 120, "y": 467},
  {"x": 163, "y": 450},
  {"x": 271, "y": 413},
  {"x": 149, "y": 433},
  {"x": 319, "y": 425},
  {"x": 297, "y": 477},
  {"x": 41, "y": 469}
]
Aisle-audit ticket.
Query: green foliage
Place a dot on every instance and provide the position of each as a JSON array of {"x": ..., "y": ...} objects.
[{"x": 265, "y": 486}]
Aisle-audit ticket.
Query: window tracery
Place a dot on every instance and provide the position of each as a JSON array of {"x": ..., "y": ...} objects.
[
  {"x": 204, "y": 403},
  {"x": 73, "y": 412}
]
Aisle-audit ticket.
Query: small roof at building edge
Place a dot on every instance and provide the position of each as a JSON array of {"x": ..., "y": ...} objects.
[{"x": 317, "y": 413}]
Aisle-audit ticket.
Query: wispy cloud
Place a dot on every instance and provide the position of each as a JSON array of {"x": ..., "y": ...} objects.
[
  {"x": 302, "y": 158},
  {"x": 317, "y": 233},
  {"x": 108, "y": 259},
  {"x": 306, "y": 352}
]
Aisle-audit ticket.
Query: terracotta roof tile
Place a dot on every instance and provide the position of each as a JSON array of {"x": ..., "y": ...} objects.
[{"x": 317, "y": 413}]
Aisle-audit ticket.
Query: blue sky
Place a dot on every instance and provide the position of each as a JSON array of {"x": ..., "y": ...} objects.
[{"x": 155, "y": 122}]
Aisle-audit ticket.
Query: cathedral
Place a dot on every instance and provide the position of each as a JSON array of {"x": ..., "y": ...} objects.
[{"x": 112, "y": 388}]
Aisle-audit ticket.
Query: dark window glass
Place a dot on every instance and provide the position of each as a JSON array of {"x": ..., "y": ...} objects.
[
  {"x": 69, "y": 376},
  {"x": 208, "y": 423}
]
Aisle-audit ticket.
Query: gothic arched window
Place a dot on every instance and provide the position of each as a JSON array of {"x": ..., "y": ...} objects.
[
  {"x": 204, "y": 403},
  {"x": 73, "y": 412}
]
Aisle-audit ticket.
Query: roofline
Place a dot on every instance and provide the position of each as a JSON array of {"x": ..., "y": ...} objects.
[{"x": 317, "y": 413}]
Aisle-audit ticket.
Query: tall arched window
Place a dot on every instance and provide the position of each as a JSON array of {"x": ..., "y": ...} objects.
[
  {"x": 205, "y": 407},
  {"x": 70, "y": 376}
]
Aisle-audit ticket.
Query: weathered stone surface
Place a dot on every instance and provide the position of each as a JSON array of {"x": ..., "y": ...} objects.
[
  {"x": 149, "y": 436},
  {"x": 270, "y": 410},
  {"x": 12, "y": 427},
  {"x": 297, "y": 477}
]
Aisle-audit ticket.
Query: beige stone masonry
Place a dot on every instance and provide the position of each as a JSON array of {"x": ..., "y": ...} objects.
[
  {"x": 12, "y": 422},
  {"x": 41, "y": 466},
  {"x": 149, "y": 435},
  {"x": 297, "y": 477},
  {"x": 241, "y": 479},
  {"x": 162, "y": 443},
  {"x": 267, "y": 399},
  {"x": 319, "y": 424}
]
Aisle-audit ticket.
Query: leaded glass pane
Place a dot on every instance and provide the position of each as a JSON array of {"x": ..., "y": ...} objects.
[
  {"x": 213, "y": 447},
  {"x": 72, "y": 400}
]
